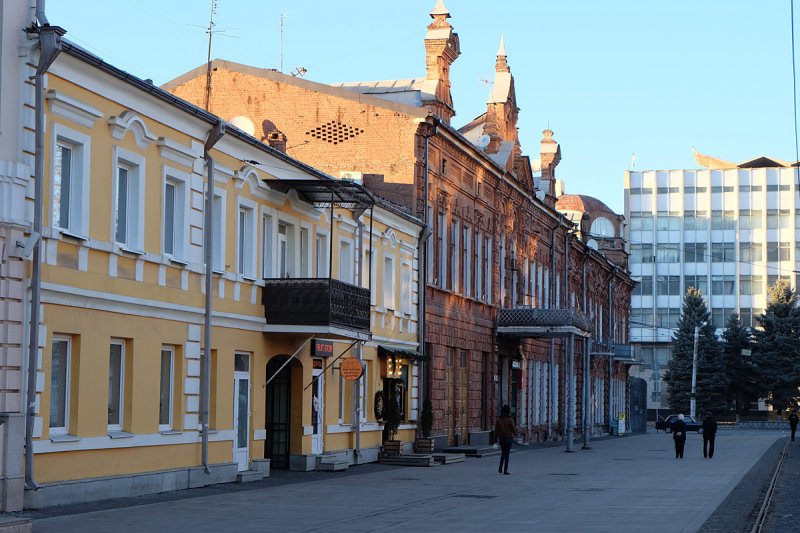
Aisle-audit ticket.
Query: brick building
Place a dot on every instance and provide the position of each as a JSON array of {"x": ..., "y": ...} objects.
[{"x": 508, "y": 284}]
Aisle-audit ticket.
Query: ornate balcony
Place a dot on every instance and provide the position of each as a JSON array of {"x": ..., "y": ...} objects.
[
  {"x": 534, "y": 322},
  {"x": 317, "y": 304}
]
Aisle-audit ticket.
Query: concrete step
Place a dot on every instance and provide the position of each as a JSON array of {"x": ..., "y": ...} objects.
[
  {"x": 447, "y": 458},
  {"x": 408, "y": 459},
  {"x": 332, "y": 465},
  {"x": 14, "y": 524},
  {"x": 248, "y": 476},
  {"x": 473, "y": 451}
]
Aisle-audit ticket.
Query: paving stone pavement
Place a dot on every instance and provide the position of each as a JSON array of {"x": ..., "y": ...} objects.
[{"x": 623, "y": 484}]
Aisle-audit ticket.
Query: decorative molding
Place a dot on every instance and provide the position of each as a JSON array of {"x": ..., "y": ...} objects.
[
  {"x": 128, "y": 120},
  {"x": 176, "y": 152},
  {"x": 72, "y": 109}
]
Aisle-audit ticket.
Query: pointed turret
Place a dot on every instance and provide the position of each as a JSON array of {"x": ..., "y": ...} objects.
[{"x": 441, "y": 50}]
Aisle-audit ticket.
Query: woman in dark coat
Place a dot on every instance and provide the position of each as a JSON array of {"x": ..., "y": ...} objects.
[
  {"x": 504, "y": 431},
  {"x": 679, "y": 436}
]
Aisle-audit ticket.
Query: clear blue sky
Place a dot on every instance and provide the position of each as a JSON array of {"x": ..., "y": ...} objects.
[{"x": 611, "y": 78}]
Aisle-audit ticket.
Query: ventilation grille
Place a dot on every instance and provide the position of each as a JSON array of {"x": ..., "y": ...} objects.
[{"x": 334, "y": 132}]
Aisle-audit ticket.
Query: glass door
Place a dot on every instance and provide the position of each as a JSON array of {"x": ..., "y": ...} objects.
[
  {"x": 317, "y": 404},
  {"x": 241, "y": 410}
]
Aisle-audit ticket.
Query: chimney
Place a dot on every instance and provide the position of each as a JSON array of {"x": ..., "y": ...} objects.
[
  {"x": 277, "y": 140},
  {"x": 550, "y": 156},
  {"x": 441, "y": 50}
]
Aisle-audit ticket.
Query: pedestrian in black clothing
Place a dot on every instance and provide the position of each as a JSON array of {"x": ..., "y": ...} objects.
[
  {"x": 709, "y": 432},
  {"x": 793, "y": 423},
  {"x": 679, "y": 436},
  {"x": 504, "y": 431}
]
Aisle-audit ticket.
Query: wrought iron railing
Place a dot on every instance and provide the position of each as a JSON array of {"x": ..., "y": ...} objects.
[
  {"x": 536, "y": 317},
  {"x": 316, "y": 302}
]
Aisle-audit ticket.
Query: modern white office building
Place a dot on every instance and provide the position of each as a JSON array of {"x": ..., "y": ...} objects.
[{"x": 729, "y": 229}]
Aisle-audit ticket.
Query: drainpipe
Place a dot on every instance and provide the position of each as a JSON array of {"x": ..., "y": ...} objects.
[
  {"x": 422, "y": 274},
  {"x": 587, "y": 346},
  {"x": 360, "y": 345},
  {"x": 610, "y": 352},
  {"x": 205, "y": 365},
  {"x": 50, "y": 47},
  {"x": 551, "y": 354}
]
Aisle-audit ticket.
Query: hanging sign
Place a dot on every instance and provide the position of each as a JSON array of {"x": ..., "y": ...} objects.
[
  {"x": 322, "y": 348},
  {"x": 350, "y": 368}
]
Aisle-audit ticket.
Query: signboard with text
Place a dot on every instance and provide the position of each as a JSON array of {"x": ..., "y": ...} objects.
[
  {"x": 351, "y": 368},
  {"x": 322, "y": 348}
]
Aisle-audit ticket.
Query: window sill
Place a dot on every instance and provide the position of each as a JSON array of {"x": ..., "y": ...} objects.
[
  {"x": 251, "y": 279},
  {"x": 64, "y": 438},
  {"x": 180, "y": 262},
  {"x": 73, "y": 236},
  {"x": 170, "y": 432},
  {"x": 131, "y": 251},
  {"x": 218, "y": 272},
  {"x": 119, "y": 435}
]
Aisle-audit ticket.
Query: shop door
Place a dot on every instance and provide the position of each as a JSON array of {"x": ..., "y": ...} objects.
[
  {"x": 317, "y": 405},
  {"x": 278, "y": 411},
  {"x": 241, "y": 411}
]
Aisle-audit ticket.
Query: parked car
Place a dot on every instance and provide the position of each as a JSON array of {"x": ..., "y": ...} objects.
[{"x": 691, "y": 424}]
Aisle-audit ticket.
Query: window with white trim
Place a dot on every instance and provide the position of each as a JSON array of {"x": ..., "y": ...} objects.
[
  {"x": 218, "y": 229},
  {"x": 174, "y": 235},
  {"x": 346, "y": 261},
  {"x": 60, "y": 362},
  {"x": 128, "y": 221},
  {"x": 116, "y": 384},
  {"x": 245, "y": 239},
  {"x": 388, "y": 283},
  {"x": 304, "y": 250},
  {"x": 453, "y": 253},
  {"x": 405, "y": 288},
  {"x": 321, "y": 255},
  {"x": 266, "y": 246},
  {"x": 69, "y": 194},
  {"x": 287, "y": 241},
  {"x": 165, "y": 388}
]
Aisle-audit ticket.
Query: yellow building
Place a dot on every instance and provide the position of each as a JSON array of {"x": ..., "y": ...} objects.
[{"x": 308, "y": 271}]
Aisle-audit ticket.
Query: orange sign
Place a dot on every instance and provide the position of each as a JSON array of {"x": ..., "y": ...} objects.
[{"x": 350, "y": 368}]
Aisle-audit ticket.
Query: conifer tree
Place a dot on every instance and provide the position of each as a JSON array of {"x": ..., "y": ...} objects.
[
  {"x": 711, "y": 382},
  {"x": 742, "y": 381},
  {"x": 777, "y": 350}
]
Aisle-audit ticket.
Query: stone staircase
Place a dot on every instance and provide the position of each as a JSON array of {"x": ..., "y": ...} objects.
[{"x": 473, "y": 451}]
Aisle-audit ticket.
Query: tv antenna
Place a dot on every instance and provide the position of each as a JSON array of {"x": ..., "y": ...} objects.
[
  {"x": 283, "y": 15},
  {"x": 210, "y": 32}
]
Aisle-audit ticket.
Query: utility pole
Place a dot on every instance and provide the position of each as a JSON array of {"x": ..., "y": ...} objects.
[{"x": 693, "y": 399}]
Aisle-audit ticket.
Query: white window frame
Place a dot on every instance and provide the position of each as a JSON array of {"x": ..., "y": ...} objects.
[
  {"x": 171, "y": 383},
  {"x": 321, "y": 250},
  {"x": 218, "y": 226},
  {"x": 134, "y": 216},
  {"x": 467, "y": 248},
  {"x": 345, "y": 260},
  {"x": 180, "y": 235},
  {"x": 304, "y": 245},
  {"x": 268, "y": 233},
  {"x": 121, "y": 407},
  {"x": 405, "y": 287},
  {"x": 454, "y": 273},
  {"x": 62, "y": 430},
  {"x": 80, "y": 169},
  {"x": 246, "y": 244},
  {"x": 388, "y": 286}
]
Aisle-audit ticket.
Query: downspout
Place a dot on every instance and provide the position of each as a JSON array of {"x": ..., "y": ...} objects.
[
  {"x": 205, "y": 364},
  {"x": 422, "y": 274},
  {"x": 570, "y": 389},
  {"x": 610, "y": 353},
  {"x": 50, "y": 46},
  {"x": 360, "y": 345},
  {"x": 587, "y": 346},
  {"x": 551, "y": 354}
]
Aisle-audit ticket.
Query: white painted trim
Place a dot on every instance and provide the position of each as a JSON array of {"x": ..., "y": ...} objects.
[
  {"x": 72, "y": 109},
  {"x": 121, "y": 407},
  {"x": 251, "y": 244},
  {"x": 182, "y": 183},
  {"x": 169, "y": 425},
  {"x": 64, "y": 430},
  {"x": 147, "y": 439},
  {"x": 130, "y": 121},
  {"x": 81, "y": 181},
  {"x": 176, "y": 152},
  {"x": 136, "y": 196}
]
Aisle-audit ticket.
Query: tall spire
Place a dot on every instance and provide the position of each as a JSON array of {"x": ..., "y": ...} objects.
[
  {"x": 441, "y": 50},
  {"x": 501, "y": 65},
  {"x": 440, "y": 11}
]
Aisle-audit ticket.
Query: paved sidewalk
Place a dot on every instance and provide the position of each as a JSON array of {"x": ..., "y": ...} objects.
[{"x": 625, "y": 484}]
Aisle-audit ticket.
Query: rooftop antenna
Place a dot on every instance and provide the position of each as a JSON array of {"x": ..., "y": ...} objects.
[
  {"x": 210, "y": 32},
  {"x": 283, "y": 15}
]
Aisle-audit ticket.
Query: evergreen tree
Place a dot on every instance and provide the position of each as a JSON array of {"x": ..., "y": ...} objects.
[
  {"x": 777, "y": 350},
  {"x": 742, "y": 382},
  {"x": 711, "y": 381}
]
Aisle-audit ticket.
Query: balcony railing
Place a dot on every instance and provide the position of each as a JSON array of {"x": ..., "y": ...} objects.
[
  {"x": 316, "y": 302},
  {"x": 535, "y": 322}
]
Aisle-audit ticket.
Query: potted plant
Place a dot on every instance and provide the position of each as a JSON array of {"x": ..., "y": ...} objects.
[
  {"x": 424, "y": 443},
  {"x": 391, "y": 423}
]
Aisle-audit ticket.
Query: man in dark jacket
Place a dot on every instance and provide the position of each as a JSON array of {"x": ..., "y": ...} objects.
[
  {"x": 793, "y": 423},
  {"x": 504, "y": 431},
  {"x": 709, "y": 432},
  {"x": 679, "y": 436}
]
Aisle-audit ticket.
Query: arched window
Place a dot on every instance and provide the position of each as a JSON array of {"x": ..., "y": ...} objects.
[{"x": 602, "y": 227}]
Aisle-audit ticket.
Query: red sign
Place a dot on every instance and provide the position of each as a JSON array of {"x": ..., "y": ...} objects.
[{"x": 322, "y": 348}]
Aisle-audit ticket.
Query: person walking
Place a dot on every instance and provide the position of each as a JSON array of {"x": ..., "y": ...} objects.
[
  {"x": 504, "y": 431},
  {"x": 709, "y": 432},
  {"x": 793, "y": 423},
  {"x": 679, "y": 436}
]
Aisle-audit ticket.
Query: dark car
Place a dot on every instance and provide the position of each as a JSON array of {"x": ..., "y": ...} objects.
[{"x": 691, "y": 424}]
